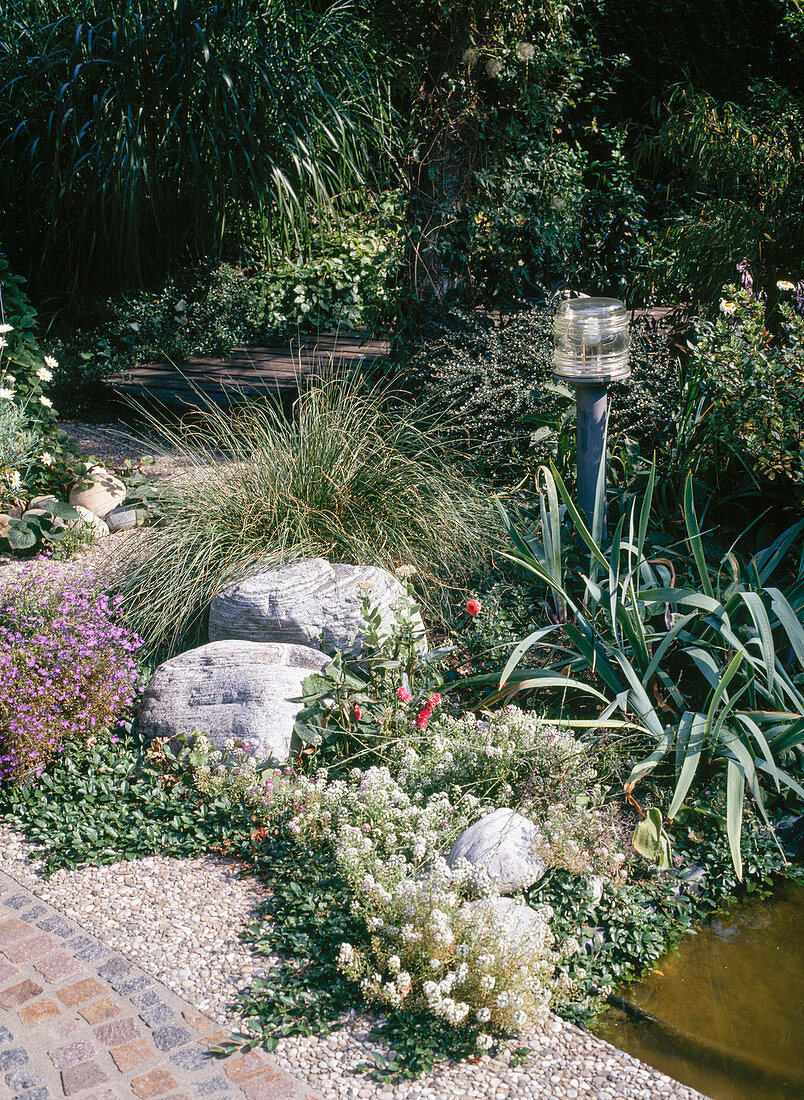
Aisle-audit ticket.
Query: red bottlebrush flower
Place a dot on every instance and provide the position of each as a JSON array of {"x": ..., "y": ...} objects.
[
  {"x": 358, "y": 713},
  {"x": 434, "y": 700},
  {"x": 403, "y": 694},
  {"x": 473, "y": 607}
]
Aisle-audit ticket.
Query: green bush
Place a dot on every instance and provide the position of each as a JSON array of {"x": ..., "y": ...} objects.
[
  {"x": 745, "y": 393},
  {"x": 731, "y": 174},
  {"x": 36, "y": 456},
  {"x": 345, "y": 282},
  {"x": 494, "y": 381},
  {"x": 142, "y": 128},
  {"x": 205, "y": 311},
  {"x": 342, "y": 478}
]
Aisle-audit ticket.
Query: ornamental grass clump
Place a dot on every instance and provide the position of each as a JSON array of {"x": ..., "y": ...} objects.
[
  {"x": 342, "y": 477},
  {"x": 67, "y": 669}
]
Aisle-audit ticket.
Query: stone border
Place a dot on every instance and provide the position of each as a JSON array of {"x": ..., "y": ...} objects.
[{"x": 76, "y": 1019}]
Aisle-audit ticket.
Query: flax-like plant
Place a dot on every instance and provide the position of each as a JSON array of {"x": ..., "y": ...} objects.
[
  {"x": 342, "y": 477},
  {"x": 697, "y": 653},
  {"x": 140, "y": 127}
]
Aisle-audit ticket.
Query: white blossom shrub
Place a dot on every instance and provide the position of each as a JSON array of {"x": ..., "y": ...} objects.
[
  {"x": 516, "y": 759},
  {"x": 427, "y": 944},
  {"x": 429, "y": 947}
]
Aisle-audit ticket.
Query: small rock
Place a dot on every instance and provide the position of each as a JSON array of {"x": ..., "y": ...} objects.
[
  {"x": 42, "y": 502},
  {"x": 502, "y": 845},
  {"x": 122, "y": 518},
  {"x": 99, "y": 491},
  {"x": 30, "y": 513},
  {"x": 86, "y": 518}
]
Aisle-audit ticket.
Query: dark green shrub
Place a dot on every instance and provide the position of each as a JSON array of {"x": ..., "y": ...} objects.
[
  {"x": 494, "y": 380},
  {"x": 141, "y": 128}
]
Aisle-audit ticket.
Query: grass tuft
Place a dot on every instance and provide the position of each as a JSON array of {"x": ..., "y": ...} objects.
[{"x": 344, "y": 477}]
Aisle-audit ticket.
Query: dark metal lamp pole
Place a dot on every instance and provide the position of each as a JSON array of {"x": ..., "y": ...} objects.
[{"x": 591, "y": 350}]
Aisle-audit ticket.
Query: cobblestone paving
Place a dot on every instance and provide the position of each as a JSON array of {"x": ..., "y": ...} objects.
[{"x": 77, "y": 1019}]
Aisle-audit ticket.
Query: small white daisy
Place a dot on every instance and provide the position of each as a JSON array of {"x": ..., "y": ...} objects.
[{"x": 46, "y": 402}]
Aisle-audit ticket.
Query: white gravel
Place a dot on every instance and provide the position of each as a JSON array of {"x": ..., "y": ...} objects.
[{"x": 180, "y": 920}]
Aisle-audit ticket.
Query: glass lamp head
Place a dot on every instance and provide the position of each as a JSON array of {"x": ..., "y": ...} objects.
[{"x": 592, "y": 339}]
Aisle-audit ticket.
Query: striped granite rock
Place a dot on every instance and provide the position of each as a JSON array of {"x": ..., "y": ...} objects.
[{"x": 310, "y": 603}]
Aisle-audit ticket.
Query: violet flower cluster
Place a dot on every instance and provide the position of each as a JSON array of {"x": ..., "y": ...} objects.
[{"x": 67, "y": 668}]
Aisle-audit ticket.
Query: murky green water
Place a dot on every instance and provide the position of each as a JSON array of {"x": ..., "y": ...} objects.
[{"x": 726, "y": 1014}]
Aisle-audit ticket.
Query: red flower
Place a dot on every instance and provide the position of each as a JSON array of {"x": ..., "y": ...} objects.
[
  {"x": 473, "y": 607},
  {"x": 426, "y": 712},
  {"x": 403, "y": 694},
  {"x": 358, "y": 713}
]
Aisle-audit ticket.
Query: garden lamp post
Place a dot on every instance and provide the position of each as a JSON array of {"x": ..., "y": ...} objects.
[{"x": 591, "y": 349}]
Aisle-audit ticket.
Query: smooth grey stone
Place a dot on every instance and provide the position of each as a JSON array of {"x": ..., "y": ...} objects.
[
  {"x": 232, "y": 689},
  {"x": 501, "y": 844},
  {"x": 310, "y": 602},
  {"x": 122, "y": 518},
  {"x": 87, "y": 518}
]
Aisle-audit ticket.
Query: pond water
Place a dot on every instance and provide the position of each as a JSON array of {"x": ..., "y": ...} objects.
[{"x": 726, "y": 1014}]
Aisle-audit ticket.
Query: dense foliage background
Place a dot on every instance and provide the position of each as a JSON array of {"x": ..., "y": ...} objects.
[{"x": 609, "y": 146}]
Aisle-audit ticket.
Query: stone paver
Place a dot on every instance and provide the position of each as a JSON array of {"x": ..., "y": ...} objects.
[{"x": 77, "y": 1020}]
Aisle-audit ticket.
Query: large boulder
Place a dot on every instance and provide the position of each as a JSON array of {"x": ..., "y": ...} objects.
[
  {"x": 99, "y": 491},
  {"x": 310, "y": 602},
  {"x": 232, "y": 689},
  {"x": 501, "y": 845}
]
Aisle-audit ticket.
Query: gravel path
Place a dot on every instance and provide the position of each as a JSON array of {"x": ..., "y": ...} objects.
[{"x": 179, "y": 921}]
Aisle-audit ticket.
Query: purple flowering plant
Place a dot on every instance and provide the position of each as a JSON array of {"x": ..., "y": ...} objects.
[{"x": 67, "y": 668}]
